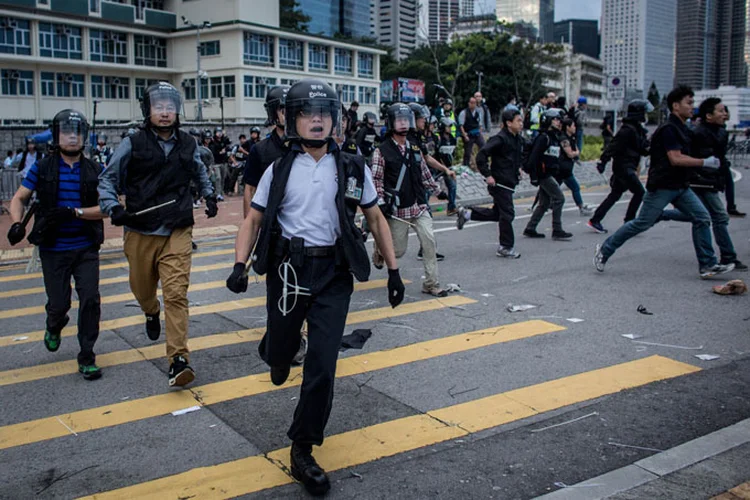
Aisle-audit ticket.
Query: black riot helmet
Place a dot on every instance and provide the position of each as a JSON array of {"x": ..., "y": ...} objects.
[
  {"x": 194, "y": 132},
  {"x": 102, "y": 138},
  {"x": 419, "y": 111},
  {"x": 255, "y": 129},
  {"x": 446, "y": 125},
  {"x": 638, "y": 110},
  {"x": 159, "y": 98},
  {"x": 65, "y": 123},
  {"x": 308, "y": 99},
  {"x": 550, "y": 115},
  {"x": 276, "y": 100},
  {"x": 396, "y": 113},
  {"x": 370, "y": 118}
]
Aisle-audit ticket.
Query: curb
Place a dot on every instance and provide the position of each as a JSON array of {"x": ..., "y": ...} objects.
[{"x": 657, "y": 466}]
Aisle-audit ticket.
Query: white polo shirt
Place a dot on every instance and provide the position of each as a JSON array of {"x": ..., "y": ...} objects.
[{"x": 308, "y": 209}]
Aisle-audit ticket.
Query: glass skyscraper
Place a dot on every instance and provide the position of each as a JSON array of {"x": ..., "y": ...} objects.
[
  {"x": 538, "y": 15},
  {"x": 347, "y": 17}
]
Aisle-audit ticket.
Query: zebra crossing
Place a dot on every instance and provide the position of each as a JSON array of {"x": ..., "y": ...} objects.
[{"x": 122, "y": 436}]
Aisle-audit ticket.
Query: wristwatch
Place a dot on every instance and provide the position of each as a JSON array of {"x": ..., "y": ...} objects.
[{"x": 79, "y": 212}]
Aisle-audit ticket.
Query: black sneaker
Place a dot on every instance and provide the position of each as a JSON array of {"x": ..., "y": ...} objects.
[
  {"x": 735, "y": 213},
  {"x": 561, "y": 235},
  {"x": 597, "y": 226},
  {"x": 440, "y": 257},
  {"x": 153, "y": 326},
  {"x": 180, "y": 373},
  {"x": 279, "y": 374},
  {"x": 90, "y": 372},
  {"x": 307, "y": 471},
  {"x": 738, "y": 266},
  {"x": 532, "y": 233},
  {"x": 52, "y": 339}
]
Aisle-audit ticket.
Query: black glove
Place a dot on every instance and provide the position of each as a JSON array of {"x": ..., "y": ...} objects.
[
  {"x": 121, "y": 217},
  {"x": 600, "y": 167},
  {"x": 16, "y": 233},
  {"x": 211, "y": 207},
  {"x": 59, "y": 215},
  {"x": 237, "y": 281},
  {"x": 395, "y": 288}
]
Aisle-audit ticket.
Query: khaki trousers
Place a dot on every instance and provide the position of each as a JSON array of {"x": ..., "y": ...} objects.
[
  {"x": 166, "y": 259},
  {"x": 426, "y": 237}
]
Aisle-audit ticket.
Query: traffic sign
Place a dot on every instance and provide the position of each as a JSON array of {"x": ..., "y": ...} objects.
[{"x": 616, "y": 87}]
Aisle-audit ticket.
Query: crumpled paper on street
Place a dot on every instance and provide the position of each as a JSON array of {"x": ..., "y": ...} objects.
[{"x": 734, "y": 287}]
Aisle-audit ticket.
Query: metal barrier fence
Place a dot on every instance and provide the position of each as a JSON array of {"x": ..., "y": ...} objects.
[
  {"x": 10, "y": 179},
  {"x": 738, "y": 152}
]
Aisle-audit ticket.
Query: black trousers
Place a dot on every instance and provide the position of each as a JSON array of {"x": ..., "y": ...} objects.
[
  {"x": 325, "y": 310},
  {"x": 619, "y": 186},
  {"x": 729, "y": 190},
  {"x": 502, "y": 212},
  {"x": 83, "y": 266}
]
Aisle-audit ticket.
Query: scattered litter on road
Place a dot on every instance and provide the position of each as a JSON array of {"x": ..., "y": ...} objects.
[
  {"x": 563, "y": 485},
  {"x": 641, "y": 348},
  {"x": 669, "y": 345},
  {"x": 642, "y": 309},
  {"x": 355, "y": 340},
  {"x": 519, "y": 279},
  {"x": 454, "y": 394},
  {"x": 212, "y": 426},
  {"x": 631, "y": 336},
  {"x": 576, "y": 320},
  {"x": 557, "y": 296},
  {"x": 18, "y": 339},
  {"x": 293, "y": 398},
  {"x": 459, "y": 441},
  {"x": 566, "y": 422},
  {"x": 354, "y": 474},
  {"x": 63, "y": 424},
  {"x": 487, "y": 295},
  {"x": 520, "y": 308},
  {"x": 734, "y": 287},
  {"x": 452, "y": 288},
  {"x": 634, "y": 447},
  {"x": 177, "y": 413},
  {"x": 396, "y": 325},
  {"x": 125, "y": 398},
  {"x": 707, "y": 357}
]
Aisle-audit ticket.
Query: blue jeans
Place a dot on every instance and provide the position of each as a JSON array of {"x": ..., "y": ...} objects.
[
  {"x": 719, "y": 222},
  {"x": 450, "y": 183},
  {"x": 653, "y": 205},
  {"x": 575, "y": 189},
  {"x": 579, "y": 138}
]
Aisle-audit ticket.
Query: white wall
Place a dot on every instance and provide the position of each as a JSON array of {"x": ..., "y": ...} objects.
[{"x": 265, "y": 12}]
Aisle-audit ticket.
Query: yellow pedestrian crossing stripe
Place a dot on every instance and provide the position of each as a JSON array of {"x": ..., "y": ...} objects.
[
  {"x": 112, "y": 324},
  {"x": 249, "y": 475},
  {"x": 60, "y": 368},
  {"x": 131, "y": 411},
  {"x": 121, "y": 265}
]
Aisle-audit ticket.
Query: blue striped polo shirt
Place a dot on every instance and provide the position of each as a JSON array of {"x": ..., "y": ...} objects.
[{"x": 72, "y": 235}]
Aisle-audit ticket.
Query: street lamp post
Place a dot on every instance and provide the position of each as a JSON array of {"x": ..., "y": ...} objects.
[
  {"x": 480, "y": 75},
  {"x": 198, "y": 28}
]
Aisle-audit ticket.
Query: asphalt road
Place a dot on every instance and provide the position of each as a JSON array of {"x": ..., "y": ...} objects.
[{"x": 456, "y": 398}]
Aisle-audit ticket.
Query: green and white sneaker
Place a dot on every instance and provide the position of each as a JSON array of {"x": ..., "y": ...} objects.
[
  {"x": 52, "y": 340},
  {"x": 90, "y": 372}
]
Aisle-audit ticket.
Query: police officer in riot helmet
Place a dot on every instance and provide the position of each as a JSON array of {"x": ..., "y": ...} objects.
[
  {"x": 254, "y": 134},
  {"x": 544, "y": 164},
  {"x": 154, "y": 169},
  {"x": 102, "y": 152},
  {"x": 269, "y": 149},
  {"x": 626, "y": 149},
  {"x": 301, "y": 225},
  {"x": 346, "y": 144},
  {"x": 367, "y": 138},
  {"x": 68, "y": 230}
]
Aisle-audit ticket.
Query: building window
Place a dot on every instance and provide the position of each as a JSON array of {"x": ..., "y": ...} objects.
[
  {"x": 110, "y": 87},
  {"x": 229, "y": 86},
  {"x": 247, "y": 81},
  {"x": 257, "y": 86},
  {"x": 343, "y": 61},
  {"x": 150, "y": 51},
  {"x": 60, "y": 41},
  {"x": 212, "y": 48},
  {"x": 366, "y": 66},
  {"x": 317, "y": 57},
  {"x": 141, "y": 5},
  {"x": 14, "y": 82},
  {"x": 188, "y": 86},
  {"x": 15, "y": 36},
  {"x": 109, "y": 46},
  {"x": 346, "y": 92},
  {"x": 368, "y": 95},
  {"x": 141, "y": 84},
  {"x": 220, "y": 86},
  {"x": 63, "y": 85},
  {"x": 258, "y": 49},
  {"x": 94, "y": 6},
  {"x": 290, "y": 54},
  {"x": 287, "y": 81}
]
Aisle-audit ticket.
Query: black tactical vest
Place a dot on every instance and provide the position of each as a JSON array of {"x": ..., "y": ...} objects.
[
  {"x": 351, "y": 178},
  {"x": 47, "y": 186},
  {"x": 153, "y": 178},
  {"x": 412, "y": 188}
]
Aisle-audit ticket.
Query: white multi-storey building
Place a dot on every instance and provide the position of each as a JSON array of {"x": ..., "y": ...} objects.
[
  {"x": 737, "y": 101},
  {"x": 70, "y": 54},
  {"x": 638, "y": 42}
]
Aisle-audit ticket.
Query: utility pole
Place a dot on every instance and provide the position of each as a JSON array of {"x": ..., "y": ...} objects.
[
  {"x": 198, "y": 28},
  {"x": 480, "y": 74}
]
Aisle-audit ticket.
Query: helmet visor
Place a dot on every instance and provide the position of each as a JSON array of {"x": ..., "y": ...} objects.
[
  {"x": 401, "y": 119},
  {"x": 73, "y": 133},
  {"x": 165, "y": 102},
  {"x": 313, "y": 119}
]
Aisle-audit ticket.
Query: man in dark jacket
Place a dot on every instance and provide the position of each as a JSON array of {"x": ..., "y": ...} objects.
[
  {"x": 367, "y": 138},
  {"x": 710, "y": 139},
  {"x": 68, "y": 230},
  {"x": 626, "y": 149},
  {"x": 153, "y": 169},
  {"x": 504, "y": 149}
]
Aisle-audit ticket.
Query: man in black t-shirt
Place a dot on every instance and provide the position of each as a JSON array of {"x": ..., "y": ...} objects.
[{"x": 671, "y": 170}]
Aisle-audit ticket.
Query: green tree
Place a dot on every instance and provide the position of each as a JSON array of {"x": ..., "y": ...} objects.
[{"x": 291, "y": 17}]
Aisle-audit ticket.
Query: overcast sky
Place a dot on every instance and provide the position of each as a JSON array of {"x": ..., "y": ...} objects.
[{"x": 564, "y": 9}]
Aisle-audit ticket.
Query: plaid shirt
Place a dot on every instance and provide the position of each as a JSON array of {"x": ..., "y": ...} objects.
[{"x": 378, "y": 172}]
